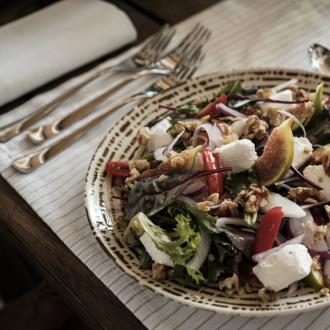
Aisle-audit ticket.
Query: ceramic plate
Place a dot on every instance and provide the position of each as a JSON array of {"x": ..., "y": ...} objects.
[{"x": 120, "y": 143}]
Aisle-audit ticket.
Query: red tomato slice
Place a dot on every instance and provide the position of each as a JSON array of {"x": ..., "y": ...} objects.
[
  {"x": 267, "y": 230},
  {"x": 215, "y": 180},
  {"x": 118, "y": 168},
  {"x": 211, "y": 109}
]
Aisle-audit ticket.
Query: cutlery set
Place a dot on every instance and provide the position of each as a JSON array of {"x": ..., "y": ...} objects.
[{"x": 176, "y": 65}]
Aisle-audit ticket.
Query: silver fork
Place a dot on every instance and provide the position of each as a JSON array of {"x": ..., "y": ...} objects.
[
  {"x": 189, "y": 44},
  {"x": 36, "y": 159},
  {"x": 149, "y": 53}
]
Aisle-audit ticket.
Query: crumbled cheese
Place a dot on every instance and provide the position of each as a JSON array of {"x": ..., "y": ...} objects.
[
  {"x": 302, "y": 151},
  {"x": 158, "y": 134},
  {"x": 239, "y": 155},
  {"x": 316, "y": 174},
  {"x": 279, "y": 269}
]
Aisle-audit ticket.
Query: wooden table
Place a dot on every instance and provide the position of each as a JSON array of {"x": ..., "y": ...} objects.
[{"x": 88, "y": 297}]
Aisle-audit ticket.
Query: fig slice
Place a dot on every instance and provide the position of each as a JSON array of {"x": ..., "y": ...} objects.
[{"x": 277, "y": 157}]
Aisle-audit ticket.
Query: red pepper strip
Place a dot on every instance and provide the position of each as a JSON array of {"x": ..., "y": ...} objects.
[
  {"x": 214, "y": 180},
  {"x": 267, "y": 230},
  {"x": 211, "y": 109},
  {"x": 118, "y": 168}
]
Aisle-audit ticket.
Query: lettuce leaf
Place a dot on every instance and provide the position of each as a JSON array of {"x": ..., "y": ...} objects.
[{"x": 180, "y": 245}]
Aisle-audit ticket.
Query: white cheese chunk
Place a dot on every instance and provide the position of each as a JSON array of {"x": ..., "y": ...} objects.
[
  {"x": 302, "y": 151},
  {"x": 316, "y": 174},
  {"x": 155, "y": 254},
  {"x": 285, "y": 95},
  {"x": 239, "y": 155},
  {"x": 159, "y": 136},
  {"x": 284, "y": 267},
  {"x": 289, "y": 208}
]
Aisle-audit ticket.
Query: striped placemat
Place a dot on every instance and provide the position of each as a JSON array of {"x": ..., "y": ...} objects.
[{"x": 246, "y": 33}]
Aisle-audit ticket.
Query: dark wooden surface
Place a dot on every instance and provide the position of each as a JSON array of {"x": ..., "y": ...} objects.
[{"x": 78, "y": 286}]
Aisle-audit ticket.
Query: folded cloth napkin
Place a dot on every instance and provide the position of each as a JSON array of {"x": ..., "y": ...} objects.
[{"x": 56, "y": 40}]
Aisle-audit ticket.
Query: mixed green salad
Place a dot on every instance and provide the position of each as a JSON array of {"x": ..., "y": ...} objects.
[{"x": 233, "y": 191}]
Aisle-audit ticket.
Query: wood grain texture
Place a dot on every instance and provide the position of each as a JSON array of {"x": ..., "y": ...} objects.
[{"x": 88, "y": 297}]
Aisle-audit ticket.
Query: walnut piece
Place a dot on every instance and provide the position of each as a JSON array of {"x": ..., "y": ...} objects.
[
  {"x": 228, "y": 135},
  {"x": 204, "y": 206},
  {"x": 143, "y": 136},
  {"x": 159, "y": 272},
  {"x": 306, "y": 195},
  {"x": 190, "y": 125},
  {"x": 325, "y": 292},
  {"x": 255, "y": 128},
  {"x": 322, "y": 156},
  {"x": 266, "y": 295},
  {"x": 274, "y": 117},
  {"x": 139, "y": 164},
  {"x": 316, "y": 265},
  {"x": 134, "y": 174},
  {"x": 320, "y": 232},
  {"x": 214, "y": 198},
  {"x": 254, "y": 198},
  {"x": 230, "y": 283},
  {"x": 228, "y": 208},
  {"x": 264, "y": 93}
]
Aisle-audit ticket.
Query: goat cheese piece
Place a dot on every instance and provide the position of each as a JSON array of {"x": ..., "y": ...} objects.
[
  {"x": 284, "y": 267},
  {"x": 159, "y": 136},
  {"x": 240, "y": 155},
  {"x": 302, "y": 151},
  {"x": 156, "y": 254},
  {"x": 316, "y": 174},
  {"x": 285, "y": 95}
]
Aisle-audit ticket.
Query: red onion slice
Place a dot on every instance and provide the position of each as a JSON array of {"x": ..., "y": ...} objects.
[
  {"x": 213, "y": 132},
  {"x": 224, "y": 221},
  {"x": 286, "y": 84},
  {"x": 225, "y": 110},
  {"x": 187, "y": 200},
  {"x": 304, "y": 226},
  {"x": 163, "y": 152},
  {"x": 194, "y": 188},
  {"x": 308, "y": 181},
  {"x": 309, "y": 206},
  {"x": 260, "y": 256}
]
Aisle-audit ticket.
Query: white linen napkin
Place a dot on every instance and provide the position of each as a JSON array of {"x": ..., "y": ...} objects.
[
  {"x": 246, "y": 33},
  {"x": 44, "y": 45}
]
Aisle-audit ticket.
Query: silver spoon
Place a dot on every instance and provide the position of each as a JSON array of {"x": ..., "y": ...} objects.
[{"x": 319, "y": 57}]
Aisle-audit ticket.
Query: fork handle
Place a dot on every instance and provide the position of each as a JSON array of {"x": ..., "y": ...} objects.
[
  {"x": 42, "y": 133},
  {"x": 9, "y": 131},
  {"x": 30, "y": 162}
]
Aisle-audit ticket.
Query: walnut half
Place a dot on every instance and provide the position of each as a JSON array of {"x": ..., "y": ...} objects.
[
  {"x": 306, "y": 195},
  {"x": 254, "y": 198}
]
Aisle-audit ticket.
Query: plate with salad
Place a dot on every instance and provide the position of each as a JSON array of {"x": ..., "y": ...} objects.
[{"x": 216, "y": 193}]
